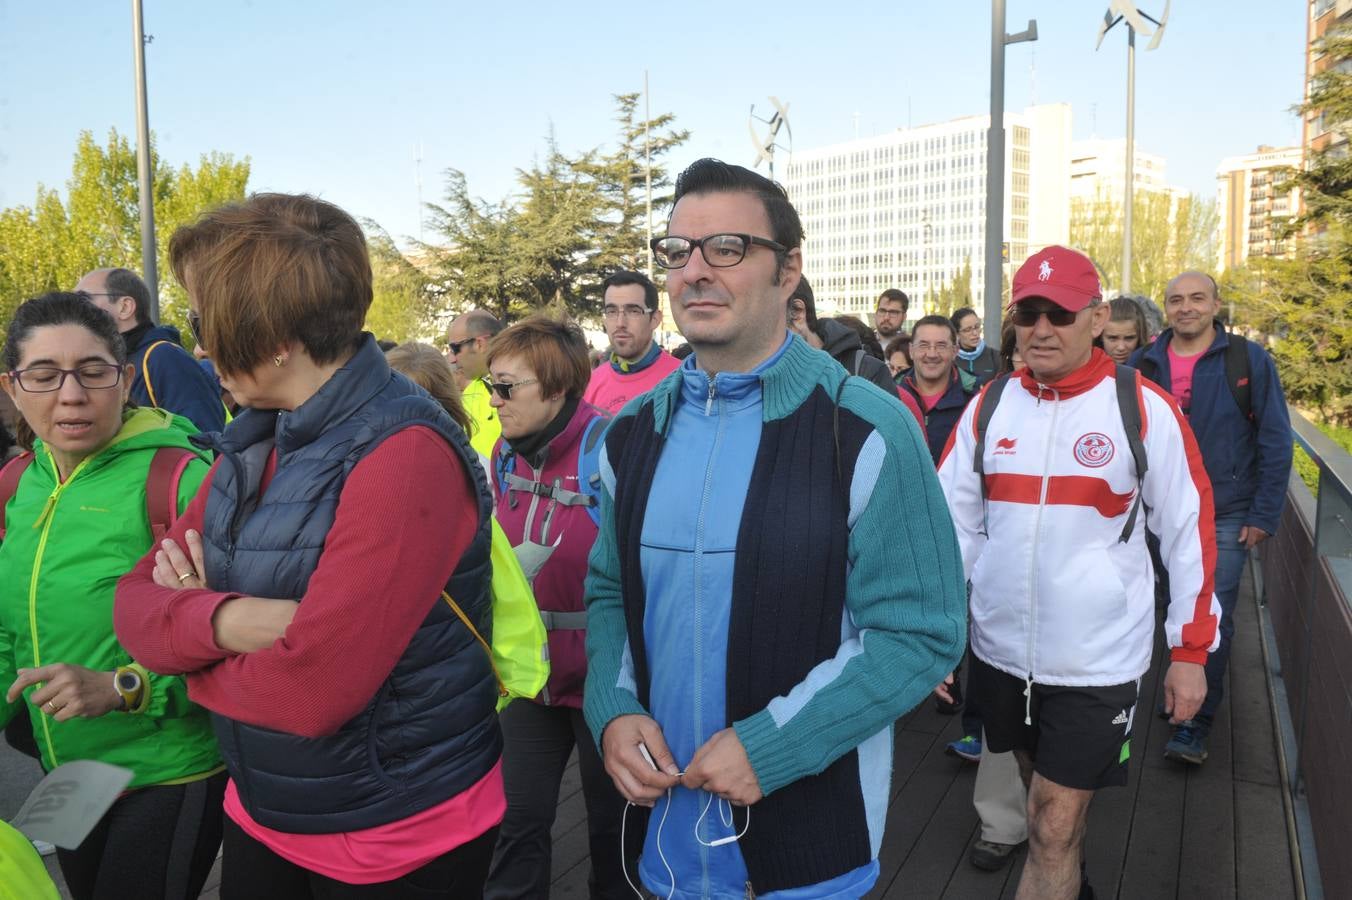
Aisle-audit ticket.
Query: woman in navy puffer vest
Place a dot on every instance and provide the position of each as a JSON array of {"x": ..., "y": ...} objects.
[{"x": 309, "y": 592}]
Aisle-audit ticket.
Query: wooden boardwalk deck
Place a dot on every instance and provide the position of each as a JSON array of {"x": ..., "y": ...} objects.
[
  {"x": 1214, "y": 832},
  {"x": 1217, "y": 831}
]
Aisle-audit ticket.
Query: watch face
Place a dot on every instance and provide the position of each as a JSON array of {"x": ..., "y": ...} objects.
[{"x": 128, "y": 681}]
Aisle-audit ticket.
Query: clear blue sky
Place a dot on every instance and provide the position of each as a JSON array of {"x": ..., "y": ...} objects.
[{"x": 332, "y": 97}]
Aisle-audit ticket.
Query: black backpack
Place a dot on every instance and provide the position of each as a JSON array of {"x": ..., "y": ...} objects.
[
  {"x": 1128, "y": 404},
  {"x": 1237, "y": 372}
]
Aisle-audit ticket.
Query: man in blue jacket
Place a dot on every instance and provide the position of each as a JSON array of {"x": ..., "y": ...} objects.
[
  {"x": 1247, "y": 454},
  {"x": 757, "y": 619},
  {"x": 167, "y": 377}
]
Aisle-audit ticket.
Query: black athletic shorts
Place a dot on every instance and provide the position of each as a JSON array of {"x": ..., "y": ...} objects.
[{"x": 1080, "y": 737}]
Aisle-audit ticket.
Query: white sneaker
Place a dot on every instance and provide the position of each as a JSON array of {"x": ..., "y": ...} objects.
[{"x": 44, "y": 848}]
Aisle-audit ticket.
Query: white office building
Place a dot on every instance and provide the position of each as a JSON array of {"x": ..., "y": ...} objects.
[{"x": 907, "y": 209}]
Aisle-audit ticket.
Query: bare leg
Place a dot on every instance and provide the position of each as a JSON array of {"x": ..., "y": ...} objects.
[{"x": 1057, "y": 817}]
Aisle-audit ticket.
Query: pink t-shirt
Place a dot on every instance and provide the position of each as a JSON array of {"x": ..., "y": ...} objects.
[
  {"x": 389, "y": 851},
  {"x": 611, "y": 390},
  {"x": 1180, "y": 376}
]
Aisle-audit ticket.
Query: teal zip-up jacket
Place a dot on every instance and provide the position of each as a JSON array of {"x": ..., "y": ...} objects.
[
  {"x": 893, "y": 604},
  {"x": 65, "y": 547}
]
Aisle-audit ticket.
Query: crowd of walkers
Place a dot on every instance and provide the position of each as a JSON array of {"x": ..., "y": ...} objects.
[{"x": 263, "y": 581}]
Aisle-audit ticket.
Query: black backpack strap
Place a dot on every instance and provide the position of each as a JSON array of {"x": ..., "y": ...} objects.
[
  {"x": 1237, "y": 373},
  {"x": 990, "y": 398},
  {"x": 1129, "y": 405}
]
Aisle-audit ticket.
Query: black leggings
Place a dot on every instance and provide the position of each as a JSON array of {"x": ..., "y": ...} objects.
[
  {"x": 251, "y": 871},
  {"x": 155, "y": 842}
]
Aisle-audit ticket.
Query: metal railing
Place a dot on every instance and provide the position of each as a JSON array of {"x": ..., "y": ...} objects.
[{"x": 1303, "y": 588}]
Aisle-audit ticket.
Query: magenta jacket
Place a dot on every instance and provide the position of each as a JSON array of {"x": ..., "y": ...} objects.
[{"x": 552, "y": 522}]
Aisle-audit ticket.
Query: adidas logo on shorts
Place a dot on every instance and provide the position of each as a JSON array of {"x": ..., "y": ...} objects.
[{"x": 1121, "y": 718}]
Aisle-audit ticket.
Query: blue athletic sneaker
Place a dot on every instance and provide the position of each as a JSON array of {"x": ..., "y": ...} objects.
[
  {"x": 968, "y": 747},
  {"x": 1188, "y": 743}
]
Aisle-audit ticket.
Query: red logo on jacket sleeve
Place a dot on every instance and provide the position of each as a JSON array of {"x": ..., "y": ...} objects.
[{"x": 1093, "y": 449}]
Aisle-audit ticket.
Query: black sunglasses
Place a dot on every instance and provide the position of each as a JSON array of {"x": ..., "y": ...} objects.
[
  {"x": 1027, "y": 316},
  {"x": 504, "y": 388},
  {"x": 454, "y": 346}
]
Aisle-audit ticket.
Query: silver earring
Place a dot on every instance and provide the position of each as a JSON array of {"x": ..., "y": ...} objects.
[{"x": 278, "y": 361}]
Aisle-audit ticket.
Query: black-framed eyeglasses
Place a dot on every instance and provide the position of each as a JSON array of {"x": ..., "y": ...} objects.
[
  {"x": 92, "y": 294},
  {"x": 720, "y": 250},
  {"x": 195, "y": 325},
  {"x": 1027, "y": 316},
  {"x": 504, "y": 388},
  {"x": 454, "y": 346},
  {"x": 45, "y": 379}
]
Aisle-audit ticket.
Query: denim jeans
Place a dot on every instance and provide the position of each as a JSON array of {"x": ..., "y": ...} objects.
[{"x": 1230, "y": 558}]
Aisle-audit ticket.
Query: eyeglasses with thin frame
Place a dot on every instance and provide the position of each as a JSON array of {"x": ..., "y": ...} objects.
[
  {"x": 971, "y": 329},
  {"x": 504, "y": 388},
  {"x": 45, "y": 379},
  {"x": 926, "y": 346},
  {"x": 615, "y": 313},
  {"x": 1027, "y": 316},
  {"x": 888, "y": 313},
  {"x": 673, "y": 251},
  {"x": 92, "y": 294}
]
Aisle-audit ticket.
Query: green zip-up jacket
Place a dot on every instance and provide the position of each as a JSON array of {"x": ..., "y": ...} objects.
[{"x": 65, "y": 547}]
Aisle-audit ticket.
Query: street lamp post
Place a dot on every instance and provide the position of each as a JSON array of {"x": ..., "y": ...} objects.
[
  {"x": 1126, "y": 11},
  {"x": 995, "y": 161},
  {"x": 143, "y": 161}
]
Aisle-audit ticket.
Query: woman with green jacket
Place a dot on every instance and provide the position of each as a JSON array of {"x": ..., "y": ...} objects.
[{"x": 77, "y": 521}]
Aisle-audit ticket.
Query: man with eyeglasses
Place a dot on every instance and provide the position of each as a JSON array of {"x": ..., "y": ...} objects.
[
  {"x": 637, "y": 363},
  {"x": 1051, "y": 510},
  {"x": 467, "y": 349},
  {"x": 889, "y": 318},
  {"x": 167, "y": 376},
  {"x": 755, "y": 625},
  {"x": 935, "y": 383}
]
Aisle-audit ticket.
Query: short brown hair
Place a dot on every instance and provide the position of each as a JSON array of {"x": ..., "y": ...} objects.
[
  {"x": 271, "y": 269},
  {"x": 424, "y": 365},
  {"x": 554, "y": 348}
]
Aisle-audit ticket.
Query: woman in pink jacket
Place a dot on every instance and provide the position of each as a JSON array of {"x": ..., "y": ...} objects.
[{"x": 539, "y": 370}]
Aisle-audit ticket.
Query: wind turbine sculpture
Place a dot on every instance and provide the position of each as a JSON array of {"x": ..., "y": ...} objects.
[
  {"x": 1136, "y": 22},
  {"x": 765, "y": 147}
]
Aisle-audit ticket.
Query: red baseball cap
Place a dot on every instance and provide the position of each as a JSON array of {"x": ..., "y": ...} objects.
[{"x": 1064, "y": 276}]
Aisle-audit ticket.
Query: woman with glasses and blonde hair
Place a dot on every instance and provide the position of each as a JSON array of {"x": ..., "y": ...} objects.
[
  {"x": 78, "y": 512},
  {"x": 539, "y": 370},
  {"x": 325, "y": 594}
]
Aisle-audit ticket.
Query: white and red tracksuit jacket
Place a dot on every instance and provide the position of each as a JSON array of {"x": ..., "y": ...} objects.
[{"x": 1057, "y": 598}]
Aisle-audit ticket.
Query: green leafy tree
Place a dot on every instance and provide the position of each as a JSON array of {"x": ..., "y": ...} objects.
[
  {"x": 1169, "y": 235},
  {"x": 1304, "y": 304},
  {"x": 1326, "y": 180},
  {"x": 51, "y": 244},
  {"x": 621, "y": 175},
  {"x": 573, "y": 220},
  {"x": 954, "y": 295},
  {"x": 403, "y": 305}
]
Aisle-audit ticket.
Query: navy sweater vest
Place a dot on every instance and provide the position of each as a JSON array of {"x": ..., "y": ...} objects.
[
  {"x": 788, "y": 600},
  {"x": 431, "y": 731}
]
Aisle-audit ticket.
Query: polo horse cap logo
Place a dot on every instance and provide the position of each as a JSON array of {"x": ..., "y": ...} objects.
[{"x": 1044, "y": 271}]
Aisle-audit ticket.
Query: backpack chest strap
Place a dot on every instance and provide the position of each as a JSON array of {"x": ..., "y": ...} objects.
[{"x": 551, "y": 491}]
